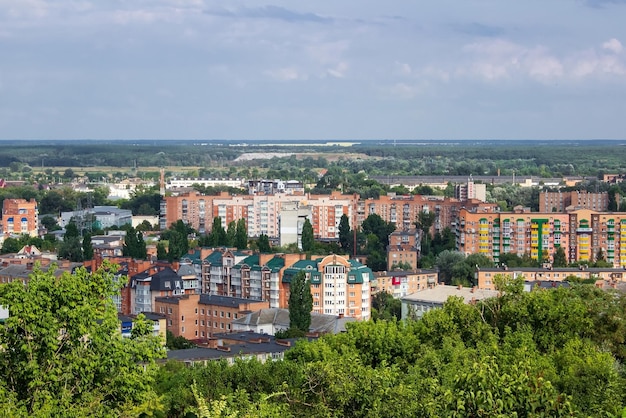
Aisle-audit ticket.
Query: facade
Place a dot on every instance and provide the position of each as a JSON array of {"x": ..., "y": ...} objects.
[
  {"x": 155, "y": 282},
  {"x": 275, "y": 186},
  {"x": 19, "y": 217},
  {"x": 339, "y": 286},
  {"x": 291, "y": 220},
  {"x": 561, "y": 201},
  {"x": 179, "y": 183},
  {"x": 200, "y": 316},
  {"x": 403, "y": 249},
  {"x": 101, "y": 216},
  {"x": 403, "y": 283},
  {"x": 471, "y": 190},
  {"x": 484, "y": 277},
  {"x": 417, "y": 304},
  {"x": 584, "y": 235}
]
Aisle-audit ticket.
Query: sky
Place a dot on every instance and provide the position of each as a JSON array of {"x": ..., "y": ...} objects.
[{"x": 324, "y": 69}]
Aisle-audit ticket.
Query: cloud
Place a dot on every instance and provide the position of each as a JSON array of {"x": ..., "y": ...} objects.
[
  {"x": 613, "y": 45},
  {"x": 270, "y": 12},
  {"x": 287, "y": 74},
  {"x": 500, "y": 59}
]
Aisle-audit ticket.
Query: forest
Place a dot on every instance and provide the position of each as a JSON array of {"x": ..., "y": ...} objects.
[{"x": 549, "y": 353}]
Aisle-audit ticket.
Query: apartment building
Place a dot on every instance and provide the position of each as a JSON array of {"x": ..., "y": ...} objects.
[
  {"x": 262, "y": 212},
  {"x": 583, "y": 234},
  {"x": 339, "y": 286},
  {"x": 403, "y": 249},
  {"x": 578, "y": 199},
  {"x": 201, "y": 316},
  {"x": 19, "y": 217},
  {"x": 485, "y": 277},
  {"x": 403, "y": 283}
]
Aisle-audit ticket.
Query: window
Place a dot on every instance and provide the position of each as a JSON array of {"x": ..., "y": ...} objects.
[
  {"x": 228, "y": 326},
  {"x": 196, "y": 322},
  {"x": 228, "y": 314},
  {"x": 196, "y": 333},
  {"x": 169, "y": 322},
  {"x": 202, "y": 322},
  {"x": 169, "y": 311},
  {"x": 182, "y": 318},
  {"x": 235, "y": 316},
  {"x": 161, "y": 309},
  {"x": 222, "y": 314},
  {"x": 202, "y": 333},
  {"x": 183, "y": 329},
  {"x": 214, "y": 324},
  {"x": 221, "y": 325},
  {"x": 202, "y": 311},
  {"x": 215, "y": 313},
  {"x": 196, "y": 310}
]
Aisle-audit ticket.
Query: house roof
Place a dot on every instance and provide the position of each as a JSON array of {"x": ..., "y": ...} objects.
[
  {"x": 321, "y": 323},
  {"x": 439, "y": 294},
  {"x": 226, "y": 301}
]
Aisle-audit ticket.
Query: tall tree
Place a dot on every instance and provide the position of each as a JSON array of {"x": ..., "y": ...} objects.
[
  {"x": 231, "y": 234},
  {"x": 161, "y": 251},
  {"x": 71, "y": 248},
  {"x": 560, "y": 259},
  {"x": 376, "y": 225},
  {"x": 300, "y": 302},
  {"x": 345, "y": 234},
  {"x": 264, "y": 244},
  {"x": 308, "y": 241},
  {"x": 63, "y": 354},
  {"x": 241, "y": 237},
  {"x": 217, "y": 237},
  {"x": 87, "y": 247}
]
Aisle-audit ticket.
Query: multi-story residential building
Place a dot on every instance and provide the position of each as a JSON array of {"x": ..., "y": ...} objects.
[
  {"x": 402, "y": 283},
  {"x": 520, "y": 232},
  {"x": 180, "y": 183},
  {"x": 484, "y": 277},
  {"x": 574, "y": 200},
  {"x": 339, "y": 286},
  {"x": 261, "y": 212},
  {"x": 155, "y": 282},
  {"x": 470, "y": 190},
  {"x": 20, "y": 217},
  {"x": 403, "y": 249},
  {"x": 201, "y": 316},
  {"x": 275, "y": 186}
]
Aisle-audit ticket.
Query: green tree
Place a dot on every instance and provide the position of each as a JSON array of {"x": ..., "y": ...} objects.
[
  {"x": 87, "y": 247},
  {"x": 231, "y": 234},
  {"x": 300, "y": 302},
  {"x": 71, "y": 248},
  {"x": 63, "y": 354},
  {"x": 560, "y": 259},
  {"x": 345, "y": 234},
  {"x": 10, "y": 245},
  {"x": 446, "y": 262},
  {"x": 161, "y": 251},
  {"x": 308, "y": 241},
  {"x": 241, "y": 237},
  {"x": 424, "y": 222},
  {"x": 264, "y": 244},
  {"x": 385, "y": 306}
]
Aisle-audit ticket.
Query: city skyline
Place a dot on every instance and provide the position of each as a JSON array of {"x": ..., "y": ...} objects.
[{"x": 176, "y": 69}]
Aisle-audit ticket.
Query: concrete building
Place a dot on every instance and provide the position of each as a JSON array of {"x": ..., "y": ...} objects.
[
  {"x": 470, "y": 190},
  {"x": 403, "y": 283},
  {"x": 19, "y": 217},
  {"x": 403, "y": 249},
  {"x": 101, "y": 217},
  {"x": 292, "y": 217},
  {"x": 485, "y": 277},
  {"x": 573, "y": 200},
  {"x": 339, "y": 286},
  {"x": 200, "y": 316},
  {"x": 583, "y": 234}
]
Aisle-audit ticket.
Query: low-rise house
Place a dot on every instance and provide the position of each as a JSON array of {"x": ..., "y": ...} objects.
[
  {"x": 269, "y": 321},
  {"x": 416, "y": 304}
]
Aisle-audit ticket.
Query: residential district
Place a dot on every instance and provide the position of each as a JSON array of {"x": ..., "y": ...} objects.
[{"x": 212, "y": 295}]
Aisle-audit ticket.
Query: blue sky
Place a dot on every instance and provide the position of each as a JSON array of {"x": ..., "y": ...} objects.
[{"x": 326, "y": 69}]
